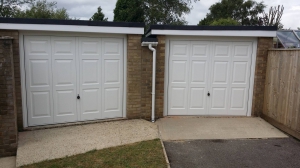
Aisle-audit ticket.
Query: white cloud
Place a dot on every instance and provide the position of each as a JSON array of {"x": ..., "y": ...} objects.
[{"x": 84, "y": 9}]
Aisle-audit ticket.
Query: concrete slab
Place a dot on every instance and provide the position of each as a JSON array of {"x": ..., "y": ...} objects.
[
  {"x": 189, "y": 128},
  {"x": 40, "y": 145},
  {"x": 8, "y": 162}
]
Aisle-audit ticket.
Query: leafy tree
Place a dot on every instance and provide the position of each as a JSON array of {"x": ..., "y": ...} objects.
[
  {"x": 153, "y": 11},
  {"x": 244, "y": 11},
  {"x": 224, "y": 22},
  {"x": 129, "y": 11},
  {"x": 273, "y": 18},
  {"x": 42, "y": 9},
  {"x": 298, "y": 28},
  {"x": 99, "y": 15},
  {"x": 8, "y": 8}
]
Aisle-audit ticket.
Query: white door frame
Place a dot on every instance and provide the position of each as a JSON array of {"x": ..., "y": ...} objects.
[
  {"x": 213, "y": 39},
  {"x": 65, "y": 34}
]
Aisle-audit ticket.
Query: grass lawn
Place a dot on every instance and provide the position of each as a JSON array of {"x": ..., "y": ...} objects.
[{"x": 141, "y": 154}]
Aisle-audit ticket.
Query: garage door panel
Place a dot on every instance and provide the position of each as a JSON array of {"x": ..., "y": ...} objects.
[
  {"x": 200, "y": 50},
  {"x": 63, "y": 46},
  {"x": 240, "y": 72},
  {"x": 64, "y": 105},
  {"x": 39, "y": 73},
  {"x": 197, "y": 98},
  {"x": 111, "y": 99},
  {"x": 40, "y": 104},
  {"x": 242, "y": 50},
  {"x": 220, "y": 72},
  {"x": 238, "y": 96},
  {"x": 90, "y": 46},
  {"x": 90, "y": 72},
  {"x": 111, "y": 47},
  {"x": 64, "y": 70},
  {"x": 179, "y": 72},
  {"x": 222, "y": 49},
  {"x": 39, "y": 47},
  {"x": 219, "y": 98},
  {"x": 180, "y": 50},
  {"x": 178, "y": 98},
  {"x": 199, "y": 72},
  {"x": 90, "y": 101},
  {"x": 112, "y": 71}
]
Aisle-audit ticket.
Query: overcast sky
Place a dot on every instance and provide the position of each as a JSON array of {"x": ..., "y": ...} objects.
[{"x": 84, "y": 9}]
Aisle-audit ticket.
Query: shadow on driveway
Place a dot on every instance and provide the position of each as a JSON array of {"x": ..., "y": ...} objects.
[{"x": 261, "y": 153}]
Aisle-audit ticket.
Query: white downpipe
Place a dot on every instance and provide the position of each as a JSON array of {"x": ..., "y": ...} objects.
[{"x": 153, "y": 81}]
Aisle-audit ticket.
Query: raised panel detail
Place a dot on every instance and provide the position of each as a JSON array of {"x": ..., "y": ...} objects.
[
  {"x": 90, "y": 71},
  {"x": 112, "y": 71},
  {"x": 90, "y": 48},
  {"x": 63, "y": 71},
  {"x": 241, "y": 51},
  {"x": 63, "y": 47},
  {"x": 90, "y": 101},
  {"x": 111, "y": 48},
  {"x": 220, "y": 72},
  {"x": 197, "y": 98},
  {"x": 178, "y": 98},
  {"x": 238, "y": 98},
  {"x": 111, "y": 99},
  {"x": 179, "y": 71},
  {"x": 240, "y": 72},
  {"x": 198, "y": 72},
  {"x": 65, "y": 102},
  {"x": 199, "y": 50},
  {"x": 219, "y": 98},
  {"x": 180, "y": 50},
  {"x": 40, "y": 104},
  {"x": 39, "y": 73},
  {"x": 222, "y": 50},
  {"x": 38, "y": 47}
]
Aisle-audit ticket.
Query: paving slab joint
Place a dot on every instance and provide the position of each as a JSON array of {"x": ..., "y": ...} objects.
[{"x": 164, "y": 149}]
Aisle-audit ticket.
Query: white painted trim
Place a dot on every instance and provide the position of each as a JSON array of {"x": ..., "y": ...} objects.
[
  {"x": 125, "y": 79},
  {"x": 73, "y": 28},
  {"x": 233, "y": 39},
  {"x": 22, "y": 64},
  {"x": 231, "y": 33},
  {"x": 252, "y": 76}
]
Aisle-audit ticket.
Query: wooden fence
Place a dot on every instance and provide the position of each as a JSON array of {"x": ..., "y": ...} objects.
[{"x": 282, "y": 90}]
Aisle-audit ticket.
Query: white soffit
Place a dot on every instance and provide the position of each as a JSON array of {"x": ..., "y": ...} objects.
[
  {"x": 73, "y": 28},
  {"x": 232, "y": 33}
]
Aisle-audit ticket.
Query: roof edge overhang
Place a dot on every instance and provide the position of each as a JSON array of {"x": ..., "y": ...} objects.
[
  {"x": 233, "y": 31},
  {"x": 71, "y": 26}
]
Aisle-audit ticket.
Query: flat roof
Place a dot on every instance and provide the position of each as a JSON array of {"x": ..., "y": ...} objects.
[
  {"x": 250, "y": 31},
  {"x": 72, "y": 25}
]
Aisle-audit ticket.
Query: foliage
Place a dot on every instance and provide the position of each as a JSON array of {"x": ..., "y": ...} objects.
[
  {"x": 129, "y": 11},
  {"x": 153, "y": 11},
  {"x": 224, "y": 22},
  {"x": 42, "y": 9},
  {"x": 142, "y": 154},
  {"x": 245, "y": 12},
  {"x": 272, "y": 18},
  {"x": 8, "y": 8},
  {"x": 99, "y": 15},
  {"x": 298, "y": 28}
]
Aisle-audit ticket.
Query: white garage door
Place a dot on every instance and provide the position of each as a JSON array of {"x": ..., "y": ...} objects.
[
  {"x": 209, "y": 78},
  {"x": 71, "y": 79}
]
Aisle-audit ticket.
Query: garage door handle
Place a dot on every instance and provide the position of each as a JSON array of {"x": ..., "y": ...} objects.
[
  {"x": 78, "y": 97},
  {"x": 208, "y": 94}
]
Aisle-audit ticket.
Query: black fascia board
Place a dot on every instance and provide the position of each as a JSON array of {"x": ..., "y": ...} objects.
[
  {"x": 70, "y": 22},
  {"x": 149, "y": 39}
]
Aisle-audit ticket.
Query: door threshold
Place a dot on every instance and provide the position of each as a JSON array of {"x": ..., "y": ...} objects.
[{"x": 33, "y": 128}]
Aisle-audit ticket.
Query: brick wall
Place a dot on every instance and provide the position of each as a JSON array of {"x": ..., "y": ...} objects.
[
  {"x": 8, "y": 115},
  {"x": 134, "y": 76},
  {"x": 263, "y": 45},
  {"x": 15, "y": 35},
  {"x": 147, "y": 62}
]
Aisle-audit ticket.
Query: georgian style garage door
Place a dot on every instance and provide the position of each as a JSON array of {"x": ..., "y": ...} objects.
[
  {"x": 209, "y": 77},
  {"x": 71, "y": 79}
]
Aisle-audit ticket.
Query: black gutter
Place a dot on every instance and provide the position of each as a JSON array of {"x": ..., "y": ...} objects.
[{"x": 70, "y": 22}]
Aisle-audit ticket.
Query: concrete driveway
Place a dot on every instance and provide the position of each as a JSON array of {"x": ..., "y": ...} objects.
[{"x": 262, "y": 153}]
